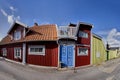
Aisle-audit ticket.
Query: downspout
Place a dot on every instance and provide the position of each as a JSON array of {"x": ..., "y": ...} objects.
[
  {"x": 91, "y": 54},
  {"x": 24, "y": 48},
  {"x": 24, "y": 54},
  {"x": 58, "y": 47}
]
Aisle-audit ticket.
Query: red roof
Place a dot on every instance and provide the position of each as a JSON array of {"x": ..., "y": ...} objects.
[{"x": 36, "y": 33}]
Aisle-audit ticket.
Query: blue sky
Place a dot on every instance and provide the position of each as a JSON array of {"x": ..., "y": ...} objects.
[{"x": 103, "y": 14}]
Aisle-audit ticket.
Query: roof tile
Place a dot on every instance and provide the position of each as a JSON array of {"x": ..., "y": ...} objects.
[{"x": 38, "y": 33}]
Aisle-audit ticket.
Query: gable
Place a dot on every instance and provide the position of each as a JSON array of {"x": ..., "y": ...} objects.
[
  {"x": 17, "y": 30},
  {"x": 15, "y": 26}
]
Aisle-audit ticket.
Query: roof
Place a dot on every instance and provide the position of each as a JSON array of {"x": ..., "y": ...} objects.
[
  {"x": 114, "y": 48},
  {"x": 43, "y": 33},
  {"x": 36, "y": 33},
  {"x": 84, "y": 23},
  {"x": 97, "y": 36}
]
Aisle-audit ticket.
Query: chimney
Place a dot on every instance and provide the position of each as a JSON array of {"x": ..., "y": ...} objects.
[{"x": 35, "y": 24}]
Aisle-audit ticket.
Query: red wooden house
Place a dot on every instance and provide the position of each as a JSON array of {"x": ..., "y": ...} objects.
[{"x": 48, "y": 45}]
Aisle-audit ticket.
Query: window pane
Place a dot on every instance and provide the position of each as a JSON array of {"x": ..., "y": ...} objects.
[
  {"x": 32, "y": 49},
  {"x": 17, "y": 35},
  {"x": 4, "y": 51},
  {"x": 17, "y": 52},
  {"x": 37, "y": 50},
  {"x": 83, "y": 51},
  {"x": 83, "y": 34}
]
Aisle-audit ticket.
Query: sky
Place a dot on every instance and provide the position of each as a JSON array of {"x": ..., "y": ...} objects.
[{"x": 103, "y": 14}]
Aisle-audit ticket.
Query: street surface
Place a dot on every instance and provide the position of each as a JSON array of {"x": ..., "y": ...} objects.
[{"x": 109, "y": 70}]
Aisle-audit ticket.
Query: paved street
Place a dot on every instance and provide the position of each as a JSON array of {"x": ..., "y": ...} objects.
[{"x": 13, "y": 71}]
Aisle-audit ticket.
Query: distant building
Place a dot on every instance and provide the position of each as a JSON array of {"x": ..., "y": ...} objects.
[{"x": 114, "y": 52}]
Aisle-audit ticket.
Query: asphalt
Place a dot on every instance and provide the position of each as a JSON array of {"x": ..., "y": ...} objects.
[{"x": 109, "y": 70}]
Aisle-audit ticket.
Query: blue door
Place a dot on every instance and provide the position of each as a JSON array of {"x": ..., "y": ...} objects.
[{"x": 67, "y": 55}]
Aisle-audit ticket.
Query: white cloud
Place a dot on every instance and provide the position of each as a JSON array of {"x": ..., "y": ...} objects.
[
  {"x": 4, "y": 13},
  {"x": 10, "y": 18},
  {"x": 12, "y": 8},
  {"x": 18, "y": 17},
  {"x": 113, "y": 38}
]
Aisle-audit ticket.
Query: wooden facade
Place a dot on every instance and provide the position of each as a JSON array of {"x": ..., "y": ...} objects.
[
  {"x": 83, "y": 43},
  {"x": 49, "y": 59},
  {"x": 73, "y": 39},
  {"x": 10, "y": 51}
]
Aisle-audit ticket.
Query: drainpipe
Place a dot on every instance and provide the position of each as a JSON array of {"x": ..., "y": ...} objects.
[
  {"x": 24, "y": 54},
  {"x": 91, "y": 47},
  {"x": 107, "y": 47}
]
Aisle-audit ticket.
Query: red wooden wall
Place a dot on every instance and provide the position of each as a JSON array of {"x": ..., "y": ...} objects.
[
  {"x": 49, "y": 59},
  {"x": 81, "y": 60},
  {"x": 10, "y": 51}
]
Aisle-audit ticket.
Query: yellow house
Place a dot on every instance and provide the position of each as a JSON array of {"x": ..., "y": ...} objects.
[
  {"x": 98, "y": 50},
  {"x": 114, "y": 52}
]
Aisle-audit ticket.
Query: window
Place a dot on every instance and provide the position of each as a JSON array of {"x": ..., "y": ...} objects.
[
  {"x": 17, "y": 35},
  {"x": 4, "y": 52},
  {"x": 82, "y": 51},
  {"x": 37, "y": 50},
  {"x": 17, "y": 53},
  {"x": 83, "y": 34}
]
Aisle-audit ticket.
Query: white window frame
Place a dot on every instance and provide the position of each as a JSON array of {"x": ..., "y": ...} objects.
[
  {"x": 83, "y": 34},
  {"x": 36, "y": 53},
  {"x": 17, "y": 35},
  {"x": 4, "y": 51},
  {"x": 16, "y": 52},
  {"x": 83, "y": 53}
]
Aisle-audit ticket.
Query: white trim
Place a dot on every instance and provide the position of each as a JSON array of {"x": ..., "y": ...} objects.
[
  {"x": 57, "y": 29},
  {"x": 22, "y": 24},
  {"x": 36, "y": 53},
  {"x": 83, "y": 45},
  {"x": 91, "y": 55},
  {"x": 15, "y": 56},
  {"x": 77, "y": 26},
  {"x": 59, "y": 57},
  {"x": 4, "y": 52},
  {"x": 78, "y": 54},
  {"x": 24, "y": 54},
  {"x": 24, "y": 33}
]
